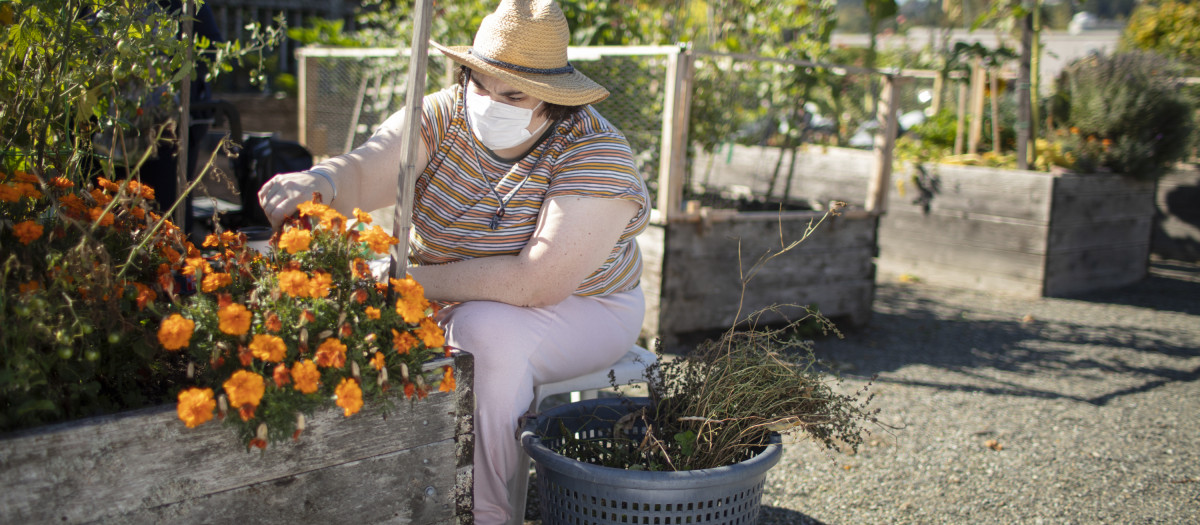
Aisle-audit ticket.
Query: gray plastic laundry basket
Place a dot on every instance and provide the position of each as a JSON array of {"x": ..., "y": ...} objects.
[{"x": 577, "y": 493}]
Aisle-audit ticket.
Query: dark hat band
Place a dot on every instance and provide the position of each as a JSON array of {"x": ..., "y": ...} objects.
[{"x": 522, "y": 69}]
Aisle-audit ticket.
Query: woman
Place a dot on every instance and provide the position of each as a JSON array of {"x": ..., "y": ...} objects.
[{"x": 526, "y": 209}]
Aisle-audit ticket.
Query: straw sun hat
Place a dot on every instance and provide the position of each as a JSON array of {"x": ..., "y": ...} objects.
[{"x": 524, "y": 43}]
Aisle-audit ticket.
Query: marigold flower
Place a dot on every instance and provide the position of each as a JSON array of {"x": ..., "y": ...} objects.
[
  {"x": 211, "y": 241},
  {"x": 362, "y": 216},
  {"x": 245, "y": 389},
  {"x": 61, "y": 182},
  {"x": 378, "y": 240},
  {"x": 108, "y": 185},
  {"x": 98, "y": 216},
  {"x": 30, "y": 286},
  {"x": 311, "y": 209},
  {"x": 215, "y": 281},
  {"x": 138, "y": 212},
  {"x": 145, "y": 294},
  {"x": 195, "y": 406},
  {"x": 430, "y": 333},
  {"x": 377, "y": 361},
  {"x": 28, "y": 231},
  {"x": 295, "y": 240},
  {"x": 447, "y": 384},
  {"x": 305, "y": 376},
  {"x": 268, "y": 347},
  {"x": 10, "y": 193},
  {"x": 320, "y": 284},
  {"x": 411, "y": 311},
  {"x": 196, "y": 264},
  {"x": 360, "y": 269},
  {"x": 409, "y": 389},
  {"x": 171, "y": 254},
  {"x": 360, "y": 296},
  {"x": 281, "y": 375},
  {"x": 72, "y": 202},
  {"x": 331, "y": 353},
  {"x": 234, "y": 319},
  {"x": 273, "y": 322},
  {"x": 294, "y": 283},
  {"x": 349, "y": 396},
  {"x": 403, "y": 341},
  {"x": 373, "y": 313},
  {"x": 176, "y": 332},
  {"x": 28, "y": 190}
]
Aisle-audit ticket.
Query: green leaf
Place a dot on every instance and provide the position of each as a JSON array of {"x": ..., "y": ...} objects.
[
  {"x": 36, "y": 405},
  {"x": 686, "y": 441}
]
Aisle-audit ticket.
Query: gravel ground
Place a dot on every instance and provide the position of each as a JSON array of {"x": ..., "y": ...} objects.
[
  {"x": 1090, "y": 406},
  {"x": 1003, "y": 410}
]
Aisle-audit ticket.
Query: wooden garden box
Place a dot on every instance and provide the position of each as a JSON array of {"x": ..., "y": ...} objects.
[
  {"x": 1026, "y": 233},
  {"x": 145, "y": 466}
]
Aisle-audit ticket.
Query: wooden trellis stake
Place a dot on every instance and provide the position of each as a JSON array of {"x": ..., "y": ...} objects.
[{"x": 402, "y": 220}]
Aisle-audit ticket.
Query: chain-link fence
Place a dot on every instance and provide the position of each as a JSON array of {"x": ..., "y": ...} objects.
[{"x": 345, "y": 94}]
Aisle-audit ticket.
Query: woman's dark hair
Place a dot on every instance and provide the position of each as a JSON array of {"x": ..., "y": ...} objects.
[{"x": 554, "y": 112}]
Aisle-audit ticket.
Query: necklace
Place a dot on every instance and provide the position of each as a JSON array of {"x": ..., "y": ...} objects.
[{"x": 502, "y": 201}]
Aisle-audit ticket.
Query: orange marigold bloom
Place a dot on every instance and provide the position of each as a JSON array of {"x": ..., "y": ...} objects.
[
  {"x": 447, "y": 384},
  {"x": 311, "y": 209},
  {"x": 362, "y": 216},
  {"x": 273, "y": 322},
  {"x": 409, "y": 389},
  {"x": 294, "y": 283},
  {"x": 145, "y": 295},
  {"x": 139, "y": 213},
  {"x": 28, "y": 287},
  {"x": 372, "y": 312},
  {"x": 378, "y": 240},
  {"x": 171, "y": 254},
  {"x": 331, "y": 353},
  {"x": 360, "y": 296},
  {"x": 268, "y": 347},
  {"x": 212, "y": 240},
  {"x": 349, "y": 396},
  {"x": 61, "y": 182},
  {"x": 377, "y": 361},
  {"x": 195, "y": 406},
  {"x": 234, "y": 319},
  {"x": 360, "y": 268},
  {"x": 176, "y": 332},
  {"x": 98, "y": 215},
  {"x": 411, "y": 310},
  {"x": 28, "y": 231},
  {"x": 403, "y": 341},
  {"x": 108, "y": 184},
  {"x": 194, "y": 264},
  {"x": 245, "y": 389},
  {"x": 9, "y": 193},
  {"x": 431, "y": 334},
  {"x": 295, "y": 240},
  {"x": 73, "y": 202},
  {"x": 28, "y": 190},
  {"x": 320, "y": 284},
  {"x": 215, "y": 281},
  {"x": 408, "y": 287},
  {"x": 306, "y": 376},
  {"x": 281, "y": 375}
]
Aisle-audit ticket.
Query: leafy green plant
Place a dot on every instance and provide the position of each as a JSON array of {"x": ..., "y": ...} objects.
[{"x": 1130, "y": 103}]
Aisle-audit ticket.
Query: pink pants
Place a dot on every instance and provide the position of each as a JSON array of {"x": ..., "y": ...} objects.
[{"x": 516, "y": 348}]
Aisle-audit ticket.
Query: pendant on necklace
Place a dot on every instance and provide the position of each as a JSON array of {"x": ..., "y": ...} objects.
[{"x": 496, "y": 218}]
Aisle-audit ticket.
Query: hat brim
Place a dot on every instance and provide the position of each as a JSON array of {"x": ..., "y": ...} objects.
[{"x": 568, "y": 89}]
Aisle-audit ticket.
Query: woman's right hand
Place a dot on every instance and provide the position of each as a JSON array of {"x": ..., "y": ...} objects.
[{"x": 281, "y": 194}]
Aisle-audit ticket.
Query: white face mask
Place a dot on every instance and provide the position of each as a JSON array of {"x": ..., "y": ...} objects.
[{"x": 498, "y": 125}]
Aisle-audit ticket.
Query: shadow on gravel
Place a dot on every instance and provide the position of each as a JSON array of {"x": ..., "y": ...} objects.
[
  {"x": 778, "y": 516},
  {"x": 997, "y": 352},
  {"x": 1171, "y": 286}
]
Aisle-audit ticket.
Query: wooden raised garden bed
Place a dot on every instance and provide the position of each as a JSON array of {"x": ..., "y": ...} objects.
[{"x": 145, "y": 466}]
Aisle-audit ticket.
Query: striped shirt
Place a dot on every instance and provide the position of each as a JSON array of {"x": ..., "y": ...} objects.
[{"x": 461, "y": 193}]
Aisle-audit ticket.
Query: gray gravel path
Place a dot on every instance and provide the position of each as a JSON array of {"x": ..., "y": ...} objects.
[{"x": 1090, "y": 405}]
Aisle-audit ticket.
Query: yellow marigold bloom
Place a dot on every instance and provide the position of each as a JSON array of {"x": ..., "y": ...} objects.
[
  {"x": 447, "y": 384},
  {"x": 27, "y": 231},
  {"x": 377, "y": 361},
  {"x": 295, "y": 240},
  {"x": 268, "y": 347},
  {"x": 373, "y": 313},
  {"x": 403, "y": 341},
  {"x": 234, "y": 319},
  {"x": 320, "y": 284},
  {"x": 215, "y": 281},
  {"x": 294, "y": 283},
  {"x": 349, "y": 396},
  {"x": 176, "y": 332},
  {"x": 331, "y": 353},
  {"x": 333, "y": 220},
  {"x": 245, "y": 389},
  {"x": 362, "y": 216},
  {"x": 408, "y": 287},
  {"x": 377, "y": 240},
  {"x": 196, "y": 406},
  {"x": 305, "y": 376},
  {"x": 98, "y": 215},
  {"x": 430, "y": 333},
  {"x": 411, "y": 311}
]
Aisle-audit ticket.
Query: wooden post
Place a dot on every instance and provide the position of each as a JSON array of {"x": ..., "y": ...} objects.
[
  {"x": 885, "y": 141},
  {"x": 1024, "y": 108},
  {"x": 302, "y": 61},
  {"x": 994, "y": 100},
  {"x": 185, "y": 113},
  {"x": 673, "y": 152},
  {"x": 939, "y": 85},
  {"x": 402, "y": 220},
  {"x": 960, "y": 130},
  {"x": 975, "y": 133}
]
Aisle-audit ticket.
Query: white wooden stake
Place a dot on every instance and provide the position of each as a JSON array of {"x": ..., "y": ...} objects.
[{"x": 402, "y": 220}]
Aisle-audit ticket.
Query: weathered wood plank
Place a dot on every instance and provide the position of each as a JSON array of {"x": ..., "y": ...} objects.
[
  {"x": 969, "y": 260},
  {"x": 953, "y": 275},
  {"x": 842, "y": 299},
  {"x": 906, "y": 226},
  {"x": 1096, "y": 268},
  {"x": 1099, "y": 233},
  {"x": 414, "y": 485},
  {"x": 103, "y": 467}
]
